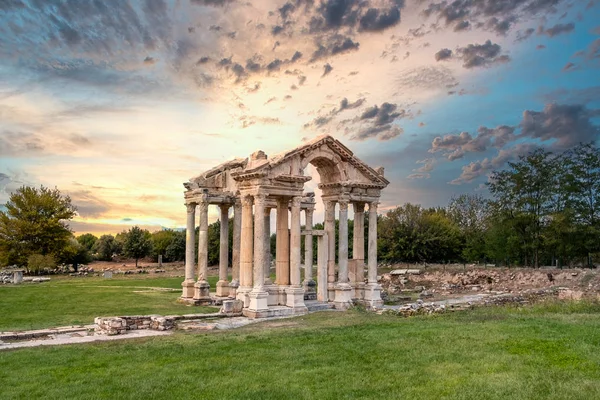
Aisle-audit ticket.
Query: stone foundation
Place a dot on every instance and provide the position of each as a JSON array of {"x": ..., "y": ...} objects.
[{"x": 119, "y": 325}]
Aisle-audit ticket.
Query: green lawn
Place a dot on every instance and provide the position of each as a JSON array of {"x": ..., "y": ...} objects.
[
  {"x": 69, "y": 300},
  {"x": 540, "y": 352}
]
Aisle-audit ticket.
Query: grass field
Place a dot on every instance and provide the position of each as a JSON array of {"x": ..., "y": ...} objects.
[
  {"x": 547, "y": 351},
  {"x": 67, "y": 300}
]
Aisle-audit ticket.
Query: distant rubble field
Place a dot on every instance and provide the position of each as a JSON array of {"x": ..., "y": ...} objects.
[{"x": 435, "y": 284}]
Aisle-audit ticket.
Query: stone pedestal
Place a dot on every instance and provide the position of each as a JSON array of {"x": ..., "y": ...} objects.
[
  {"x": 17, "y": 277},
  {"x": 295, "y": 297},
  {"x": 343, "y": 296},
  {"x": 242, "y": 294},
  {"x": 273, "y": 292},
  {"x": 202, "y": 292},
  {"x": 188, "y": 288},
  {"x": 223, "y": 289},
  {"x": 233, "y": 286},
  {"x": 310, "y": 289},
  {"x": 258, "y": 301},
  {"x": 373, "y": 295}
]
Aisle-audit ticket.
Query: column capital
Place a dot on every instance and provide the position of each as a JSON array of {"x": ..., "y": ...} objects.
[
  {"x": 373, "y": 206},
  {"x": 296, "y": 200},
  {"x": 224, "y": 207},
  {"x": 191, "y": 207},
  {"x": 247, "y": 200},
  {"x": 260, "y": 199},
  {"x": 309, "y": 212},
  {"x": 358, "y": 207},
  {"x": 343, "y": 204}
]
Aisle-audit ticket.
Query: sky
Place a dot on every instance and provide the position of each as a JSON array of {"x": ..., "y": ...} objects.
[{"x": 117, "y": 103}]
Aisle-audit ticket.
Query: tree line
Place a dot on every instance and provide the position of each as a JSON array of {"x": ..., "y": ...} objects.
[{"x": 543, "y": 210}]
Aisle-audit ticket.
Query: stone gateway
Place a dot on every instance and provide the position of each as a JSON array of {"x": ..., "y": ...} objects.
[{"x": 256, "y": 185}]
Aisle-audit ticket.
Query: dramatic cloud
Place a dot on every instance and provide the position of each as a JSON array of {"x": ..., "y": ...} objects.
[
  {"x": 481, "y": 55},
  {"x": 443, "y": 54}
]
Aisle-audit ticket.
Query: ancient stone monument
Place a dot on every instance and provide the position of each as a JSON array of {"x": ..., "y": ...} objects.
[{"x": 256, "y": 185}]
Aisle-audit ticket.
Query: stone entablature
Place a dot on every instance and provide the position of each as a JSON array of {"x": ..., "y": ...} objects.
[{"x": 254, "y": 187}]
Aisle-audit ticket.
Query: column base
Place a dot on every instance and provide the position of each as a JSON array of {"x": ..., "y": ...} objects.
[
  {"x": 343, "y": 296},
  {"x": 331, "y": 291},
  {"x": 295, "y": 297},
  {"x": 359, "y": 290},
  {"x": 281, "y": 294},
  {"x": 188, "y": 289},
  {"x": 222, "y": 289},
  {"x": 273, "y": 292},
  {"x": 233, "y": 288},
  {"x": 258, "y": 300},
  {"x": 201, "y": 291},
  {"x": 373, "y": 295},
  {"x": 242, "y": 294}
]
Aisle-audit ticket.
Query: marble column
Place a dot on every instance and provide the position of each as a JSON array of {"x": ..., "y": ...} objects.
[
  {"x": 267, "y": 259},
  {"x": 282, "y": 256},
  {"x": 223, "y": 284},
  {"x": 201, "y": 287},
  {"x": 190, "y": 252},
  {"x": 373, "y": 289},
  {"x": 343, "y": 290},
  {"x": 295, "y": 293},
  {"x": 330, "y": 229},
  {"x": 358, "y": 249},
  {"x": 322, "y": 254},
  {"x": 246, "y": 251},
  {"x": 235, "y": 256},
  {"x": 258, "y": 296},
  {"x": 309, "y": 283}
]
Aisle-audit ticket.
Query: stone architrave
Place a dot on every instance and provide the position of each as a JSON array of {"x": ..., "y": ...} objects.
[
  {"x": 202, "y": 287},
  {"x": 223, "y": 283},
  {"x": 190, "y": 252}
]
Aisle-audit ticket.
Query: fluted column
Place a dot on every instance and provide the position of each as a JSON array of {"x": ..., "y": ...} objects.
[
  {"x": 282, "y": 256},
  {"x": 190, "y": 252},
  {"x": 358, "y": 242},
  {"x": 343, "y": 243},
  {"x": 267, "y": 258},
  {"x": 202, "y": 287},
  {"x": 259, "y": 242},
  {"x": 223, "y": 284},
  {"x": 372, "y": 274},
  {"x": 295, "y": 258},
  {"x": 330, "y": 229},
  {"x": 246, "y": 243},
  {"x": 309, "y": 283},
  {"x": 295, "y": 293},
  {"x": 373, "y": 290},
  {"x": 235, "y": 256}
]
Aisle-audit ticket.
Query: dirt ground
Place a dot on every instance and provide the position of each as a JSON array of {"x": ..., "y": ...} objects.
[
  {"x": 128, "y": 267},
  {"x": 438, "y": 283}
]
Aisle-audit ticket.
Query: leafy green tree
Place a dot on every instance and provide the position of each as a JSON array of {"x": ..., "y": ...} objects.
[
  {"x": 161, "y": 240},
  {"x": 35, "y": 222},
  {"x": 137, "y": 244},
  {"x": 74, "y": 253},
  {"x": 87, "y": 240},
  {"x": 106, "y": 247},
  {"x": 175, "y": 251},
  {"x": 471, "y": 214},
  {"x": 36, "y": 263}
]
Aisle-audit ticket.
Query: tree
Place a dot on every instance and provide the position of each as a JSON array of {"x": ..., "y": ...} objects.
[
  {"x": 470, "y": 213},
  {"x": 35, "y": 222},
  {"x": 175, "y": 251},
  {"x": 137, "y": 244},
  {"x": 74, "y": 253},
  {"x": 160, "y": 241},
  {"x": 87, "y": 240},
  {"x": 106, "y": 247}
]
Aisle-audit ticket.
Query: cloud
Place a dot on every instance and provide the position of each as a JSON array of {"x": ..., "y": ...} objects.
[
  {"x": 326, "y": 69},
  {"x": 88, "y": 205},
  {"x": 375, "y": 20},
  {"x": 443, "y": 54},
  {"x": 344, "y": 105},
  {"x": 569, "y": 67},
  {"x": 557, "y": 29},
  {"x": 481, "y": 55}
]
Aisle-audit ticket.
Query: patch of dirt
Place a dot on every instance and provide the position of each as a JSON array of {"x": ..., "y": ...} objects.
[{"x": 438, "y": 284}]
